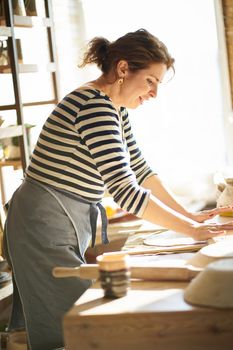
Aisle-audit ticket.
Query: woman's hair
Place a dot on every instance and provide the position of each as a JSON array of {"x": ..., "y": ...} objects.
[{"x": 140, "y": 49}]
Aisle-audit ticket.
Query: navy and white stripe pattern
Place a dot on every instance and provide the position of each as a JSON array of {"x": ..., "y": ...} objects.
[{"x": 85, "y": 146}]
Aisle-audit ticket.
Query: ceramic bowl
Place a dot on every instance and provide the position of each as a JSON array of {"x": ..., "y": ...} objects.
[{"x": 213, "y": 286}]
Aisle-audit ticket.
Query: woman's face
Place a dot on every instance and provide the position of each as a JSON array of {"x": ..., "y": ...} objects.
[{"x": 141, "y": 85}]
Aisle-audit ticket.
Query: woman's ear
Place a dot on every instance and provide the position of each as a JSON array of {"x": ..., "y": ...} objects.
[{"x": 122, "y": 68}]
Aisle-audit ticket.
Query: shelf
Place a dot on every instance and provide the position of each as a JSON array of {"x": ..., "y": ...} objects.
[
  {"x": 20, "y": 21},
  {"x": 16, "y": 163},
  {"x": 23, "y": 68},
  {"x": 9, "y": 22},
  {"x": 29, "y": 104},
  {"x": 39, "y": 103},
  {"x": 7, "y": 107},
  {"x": 29, "y": 68},
  {"x": 5, "y": 31},
  {"x": 28, "y": 22},
  {"x": 23, "y": 21},
  {"x": 11, "y": 131}
]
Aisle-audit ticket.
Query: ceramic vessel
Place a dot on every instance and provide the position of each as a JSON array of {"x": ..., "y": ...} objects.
[{"x": 213, "y": 286}]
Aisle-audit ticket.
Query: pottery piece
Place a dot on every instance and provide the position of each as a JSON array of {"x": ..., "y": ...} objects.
[{"x": 213, "y": 286}]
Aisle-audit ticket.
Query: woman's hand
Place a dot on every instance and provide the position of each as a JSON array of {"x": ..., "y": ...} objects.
[
  {"x": 204, "y": 215},
  {"x": 202, "y": 232}
]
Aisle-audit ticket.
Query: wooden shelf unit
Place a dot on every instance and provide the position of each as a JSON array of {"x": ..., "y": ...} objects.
[{"x": 15, "y": 69}]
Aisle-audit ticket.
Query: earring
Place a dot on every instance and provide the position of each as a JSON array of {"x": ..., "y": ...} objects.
[{"x": 120, "y": 81}]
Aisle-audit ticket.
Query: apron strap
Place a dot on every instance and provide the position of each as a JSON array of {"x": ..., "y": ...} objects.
[{"x": 93, "y": 219}]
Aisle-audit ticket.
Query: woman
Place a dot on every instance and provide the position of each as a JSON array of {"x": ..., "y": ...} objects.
[{"x": 86, "y": 145}]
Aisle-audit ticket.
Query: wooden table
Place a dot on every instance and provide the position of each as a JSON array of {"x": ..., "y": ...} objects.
[{"x": 153, "y": 315}]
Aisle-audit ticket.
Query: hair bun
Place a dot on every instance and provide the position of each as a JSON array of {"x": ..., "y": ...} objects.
[{"x": 102, "y": 47}]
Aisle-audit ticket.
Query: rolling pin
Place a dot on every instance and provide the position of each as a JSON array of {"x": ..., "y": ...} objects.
[
  {"x": 154, "y": 273},
  {"x": 160, "y": 271}
]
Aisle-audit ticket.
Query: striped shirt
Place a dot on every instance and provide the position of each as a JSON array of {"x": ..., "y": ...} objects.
[{"x": 85, "y": 147}]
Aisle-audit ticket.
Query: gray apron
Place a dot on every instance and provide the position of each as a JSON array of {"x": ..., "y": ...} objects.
[{"x": 46, "y": 227}]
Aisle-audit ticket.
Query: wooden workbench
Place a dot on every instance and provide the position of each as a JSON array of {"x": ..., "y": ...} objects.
[{"x": 153, "y": 315}]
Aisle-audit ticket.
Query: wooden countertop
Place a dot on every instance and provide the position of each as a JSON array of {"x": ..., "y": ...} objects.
[{"x": 153, "y": 315}]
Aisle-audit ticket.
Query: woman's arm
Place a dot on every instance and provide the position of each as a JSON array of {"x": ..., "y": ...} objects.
[
  {"x": 159, "y": 191},
  {"x": 160, "y": 214}
]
